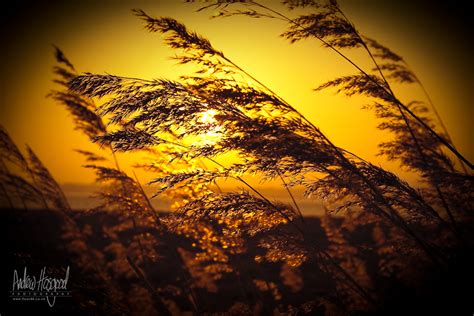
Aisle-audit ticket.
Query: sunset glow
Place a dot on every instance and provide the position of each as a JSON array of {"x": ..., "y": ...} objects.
[
  {"x": 226, "y": 157},
  {"x": 112, "y": 40}
]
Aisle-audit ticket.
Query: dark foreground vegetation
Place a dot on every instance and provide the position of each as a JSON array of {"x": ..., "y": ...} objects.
[{"x": 35, "y": 239}]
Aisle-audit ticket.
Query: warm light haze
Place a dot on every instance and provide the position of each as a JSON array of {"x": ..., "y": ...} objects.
[{"x": 105, "y": 37}]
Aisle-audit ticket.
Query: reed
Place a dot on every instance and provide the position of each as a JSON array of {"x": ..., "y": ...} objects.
[
  {"x": 288, "y": 145},
  {"x": 377, "y": 230}
]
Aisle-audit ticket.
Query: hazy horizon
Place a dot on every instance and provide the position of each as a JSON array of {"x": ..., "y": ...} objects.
[{"x": 81, "y": 197}]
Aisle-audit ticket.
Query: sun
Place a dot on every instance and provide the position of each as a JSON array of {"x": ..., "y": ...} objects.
[
  {"x": 208, "y": 117},
  {"x": 212, "y": 135}
]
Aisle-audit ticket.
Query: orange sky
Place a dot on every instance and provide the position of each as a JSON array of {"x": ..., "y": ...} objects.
[{"x": 104, "y": 36}]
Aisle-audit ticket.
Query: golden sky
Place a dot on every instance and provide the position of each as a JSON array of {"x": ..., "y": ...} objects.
[{"x": 104, "y": 36}]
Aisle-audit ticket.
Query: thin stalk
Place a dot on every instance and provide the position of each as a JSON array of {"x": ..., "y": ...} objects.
[
  {"x": 140, "y": 245},
  {"x": 65, "y": 200},
  {"x": 5, "y": 169},
  {"x": 435, "y": 111},
  {"x": 187, "y": 283},
  {"x": 124, "y": 192},
  {"x": 352, "y": 281},
  {"x": 162, "y": 309},
  {"x": 445, "y": 204},
  {"x": 215, "y": 182},
  {"x": 33, "y": 178},
  {"x": 193, "y": 299},
  {"x": 152, "y": 209},
  {"x": 246, "y": 184},
  {"x": 410, "y": 129},
  {"x": 5, "y": 193},
  {"x": 398, "y": 103},
  {"x": 390, "y": 214},
  {"x": 291, "y": 195},
  {"x": 396, "y": 100},
  {"x": 270, "y": 203},
  {"x": 344, "y": 159},
  {"x": 363, "y": 293}
]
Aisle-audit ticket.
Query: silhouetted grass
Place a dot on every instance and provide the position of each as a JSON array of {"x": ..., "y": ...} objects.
[{"x": 380, "y": 245}]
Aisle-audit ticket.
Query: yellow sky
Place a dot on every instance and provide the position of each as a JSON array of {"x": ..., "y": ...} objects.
[{"x": 104, "y": 36}]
